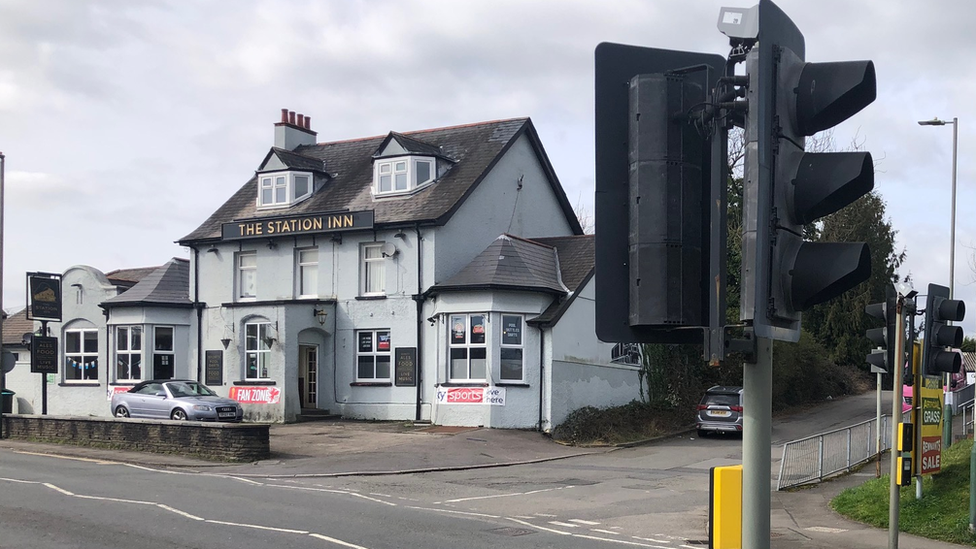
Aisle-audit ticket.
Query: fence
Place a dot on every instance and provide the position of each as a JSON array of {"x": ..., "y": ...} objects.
[{"x": 814, "y": 458}]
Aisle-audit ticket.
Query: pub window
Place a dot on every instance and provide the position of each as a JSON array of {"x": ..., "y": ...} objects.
[
  {"x": 247, "y": 275},
  {"x": 468, "y": 351},
  {"x": 373, "y": 355},
  {"x": 282, "y": 189},
  {"x": 373, "y": 269},
  {"x": 257, "y": 351},
  {"x": 164, "y": 359},
  {"x": 402, "y": 175},
  {"x": 511, "y": 348},
  {"x": 307, "y": 272},
  {"x": 128, "y": 353},
  {"x": 80, "y": 355}
]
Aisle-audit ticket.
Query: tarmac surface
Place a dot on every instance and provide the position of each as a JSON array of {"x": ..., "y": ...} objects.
[{"x": 799, "y": 519}]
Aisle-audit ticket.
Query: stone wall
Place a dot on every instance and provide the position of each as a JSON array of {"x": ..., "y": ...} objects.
[{"x": 238, "y": 442}]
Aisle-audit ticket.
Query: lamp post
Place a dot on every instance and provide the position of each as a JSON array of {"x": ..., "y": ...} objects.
[{"x": 952, "y": 221}]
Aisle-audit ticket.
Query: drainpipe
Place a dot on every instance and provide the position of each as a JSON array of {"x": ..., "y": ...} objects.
[
  {"x": 199, "y": 307},
  {"x": 542, "y": 369},
  {"x": 419, "y": 298}
]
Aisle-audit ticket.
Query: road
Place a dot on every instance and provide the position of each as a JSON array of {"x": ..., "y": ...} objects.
[{"x": 649, "y": 496}]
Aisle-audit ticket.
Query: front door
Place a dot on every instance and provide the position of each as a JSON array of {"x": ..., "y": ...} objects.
[{"x": 308, "y": 375}]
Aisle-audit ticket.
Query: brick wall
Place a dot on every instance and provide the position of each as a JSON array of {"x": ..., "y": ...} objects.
[{"x": 239, "y": 442}]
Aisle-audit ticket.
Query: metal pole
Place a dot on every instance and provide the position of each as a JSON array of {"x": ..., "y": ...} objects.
[
  {"x": 893, "y": 502},
  {"x": 947, "y": 377},
  {"x": 2, "y": 166},
  {"x": 877, "y": 430},
  {"x": 972, "y": 489},
  {"x": 757, "y": 386}
]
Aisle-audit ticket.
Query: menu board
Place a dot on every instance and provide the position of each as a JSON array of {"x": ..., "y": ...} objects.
[
  {"x": 214, "y": 367},
  {"x": 405, "y": 369}
]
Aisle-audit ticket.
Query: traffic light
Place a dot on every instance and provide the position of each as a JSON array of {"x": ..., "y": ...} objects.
[
  {"x": 654, "y": 164},
  {"x": 786, "y": 188},
  {"x": 939, "y": 310},
  {"x": 882, "y": 357}
]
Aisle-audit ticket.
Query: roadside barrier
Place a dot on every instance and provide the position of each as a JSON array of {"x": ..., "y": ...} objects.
[{"x": 817, "y": 457}]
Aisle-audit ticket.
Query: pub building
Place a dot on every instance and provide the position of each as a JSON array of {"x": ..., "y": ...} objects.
[{"x": 438, "y": 275}]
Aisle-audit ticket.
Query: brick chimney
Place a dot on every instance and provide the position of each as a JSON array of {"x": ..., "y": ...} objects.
[{"x": 293, "y": 130}]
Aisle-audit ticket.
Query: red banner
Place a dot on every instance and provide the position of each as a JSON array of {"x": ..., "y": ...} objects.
[
  {"x": 255, "y": 395},
  {"x": 931, "y": 454}
]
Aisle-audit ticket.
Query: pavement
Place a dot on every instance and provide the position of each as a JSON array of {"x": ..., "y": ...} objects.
[{"x": 799, "y": 519}]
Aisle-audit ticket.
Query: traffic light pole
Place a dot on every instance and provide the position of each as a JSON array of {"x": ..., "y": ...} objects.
[
  {"x": 894, "y": 504},
  {"x": 757, "y": 423}
]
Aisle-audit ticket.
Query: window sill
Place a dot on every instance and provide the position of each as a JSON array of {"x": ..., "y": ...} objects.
[
  {"x": 122, "y": 383},
  {"x": 371, "y": 384},
  {"x": 254, "y": 383},
  {"x": 512, "y": 384},
  {"x": 370, "y": 297},
  {"x": 455, "y": 384},
  {"x": 86, "y": 384}
]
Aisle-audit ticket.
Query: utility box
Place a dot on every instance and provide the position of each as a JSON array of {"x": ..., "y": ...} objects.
[
  {"x": 7, "y": 401},
  {"x": 725, "y": 507}
]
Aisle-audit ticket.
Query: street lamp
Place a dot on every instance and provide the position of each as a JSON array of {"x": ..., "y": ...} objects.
[{"x": 952, "y": 222}]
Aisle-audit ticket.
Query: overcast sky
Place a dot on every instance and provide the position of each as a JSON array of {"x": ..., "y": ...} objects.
[{"x": 126, "y": 123}]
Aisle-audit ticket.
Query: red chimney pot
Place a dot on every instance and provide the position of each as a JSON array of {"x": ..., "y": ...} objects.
[
  {"x": 291, "y": 117},
  {"x": 301, "y": 120},
  {"x": 308, "y": 122},
  {"x": 284, "y": 115}
]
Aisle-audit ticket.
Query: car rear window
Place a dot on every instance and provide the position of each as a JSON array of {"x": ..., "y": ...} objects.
[{"x": 722, "y": 400}]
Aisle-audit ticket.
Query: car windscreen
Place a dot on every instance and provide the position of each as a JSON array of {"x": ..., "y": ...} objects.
[
  {"x": 189, "y": 390},
  {"x": 717, "y": 399}
]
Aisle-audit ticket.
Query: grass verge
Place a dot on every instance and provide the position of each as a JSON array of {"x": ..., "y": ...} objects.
[{"x": 942, "y": 513}]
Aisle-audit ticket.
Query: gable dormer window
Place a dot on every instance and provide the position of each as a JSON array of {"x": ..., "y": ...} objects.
[
  {"x": 402, "y": 174},
  {"x": 283, "y": 189}
]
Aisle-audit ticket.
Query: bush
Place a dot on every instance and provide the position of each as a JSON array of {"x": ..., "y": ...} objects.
[{"x": 628, "y": 423}]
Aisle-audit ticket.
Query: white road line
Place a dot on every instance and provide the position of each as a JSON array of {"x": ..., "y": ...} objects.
[
  {"x": 72, "y": 458},
  {"x": 586, "y": 522},
  {"x": 651, "y": 539},
  {"x": 178, "y": 512},
  {"x": 115, "y": 500},
  {"x": 246, "y": 481},
  {"x": 563, "y": 524},
  {"x": 585, "y": 536},
  {"x": 332, "y": 491},
  {"x": 504, "y": 495},
  {"x": 19, "y": 481},
  {"x": 55, "y": 488},
  {"x": 337, "y": 541},
  {"x": 453, "y": 512},
  {"x": 258, "y": 527},
  {"x": 604, "y": 531}
]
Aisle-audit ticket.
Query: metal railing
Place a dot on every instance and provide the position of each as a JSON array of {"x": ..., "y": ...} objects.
[{"x": 817, "y": 457}]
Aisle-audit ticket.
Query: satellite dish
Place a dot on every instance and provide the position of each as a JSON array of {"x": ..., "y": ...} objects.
[{"x": 388, "y": 250}]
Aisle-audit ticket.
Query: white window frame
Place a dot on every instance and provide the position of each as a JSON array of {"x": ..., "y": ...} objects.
[
  {"x": 124, "y": 347},
  {"x": 83, "y": 360},
  {"x": 520, "y": 346},
  {"x": 390, "y": 167},
  {"x": 284, "y": 181},
  {"x": 246, "y": 270},
  {"x": 469, "y": 344},
  {"x": 372, "y": 270},
  {"x": 256, "y": 346},
  {"x": 375, "y": 354},
  {"x": 306, "y": 272},
  {"x": 171, "y": 352}
]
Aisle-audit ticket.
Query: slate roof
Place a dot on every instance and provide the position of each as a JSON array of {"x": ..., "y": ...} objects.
[
  {"x": 14, "y": 328},
  {"x": 127, "y": 278},
  {"x": 296, "y": 161},
  {"x": 167, "y": 286},
  {"x": 509, "y": 263},
  {"x": 475, "y": 148},
  {"x": 411, "y": 145},
  {"x": 577, "y": 261}
]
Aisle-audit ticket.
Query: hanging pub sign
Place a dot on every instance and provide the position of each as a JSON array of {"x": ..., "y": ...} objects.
[
  {"x": 44, "y": 296},
  {"x": 293, "y": 225},
  {"x": 44, "y": 355}
]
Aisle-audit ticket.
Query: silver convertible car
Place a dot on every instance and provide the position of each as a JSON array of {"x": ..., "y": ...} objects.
[{"x": 175, "y": 399}]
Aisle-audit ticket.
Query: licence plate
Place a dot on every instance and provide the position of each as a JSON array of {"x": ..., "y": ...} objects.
[
  {"x": 226, "y": 414},
  {"x": 718, "y": 413}
]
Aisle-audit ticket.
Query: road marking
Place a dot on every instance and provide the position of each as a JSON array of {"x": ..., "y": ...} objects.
[
  {"x": 504, "y": 495},
  {"x": 586, "y": 522},
  {"x": 652, "y": 539},
  {"x": 259, "y": 527},
  {"x": 332, "y": 491},
  {"x": 73, "y": 458},
  {"x": 337, "y": 541},
  {"x": 586, "y": 536},
  {"x": 178, "y": 512},
  {"x": 604, "y": 531},
  {"x": 454, "y": 512},
  {"x": 826, "y": 530},
  {"x": 55, "y": 488},
  {"x": 19, "y": 481},
  {"x": 115, "y": 500},
  {"x": 563, "y": 524}
]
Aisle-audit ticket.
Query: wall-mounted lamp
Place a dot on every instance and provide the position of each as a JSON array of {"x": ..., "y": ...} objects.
[
  {"x": 272, "y": 244},
  {"x": 400, "y": 234},
  {"x": 432, "y": 320},
  {"x": 337, "y": 238},
  {"x": 269, "y": 341},
  {"x": 321, "y": 315},
  {"x": 225, "y": 342},
  {"x": 213, "y": 250}
]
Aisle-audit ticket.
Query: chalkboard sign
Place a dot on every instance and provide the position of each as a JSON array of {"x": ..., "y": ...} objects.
[
  {"x": 44, "y": 355},
  {"x": 215, "y": 367},
  {"x": 406, "y": 367}
]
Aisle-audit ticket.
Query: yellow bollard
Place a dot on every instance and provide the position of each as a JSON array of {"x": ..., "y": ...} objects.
[{"x": 725, "y": 507}]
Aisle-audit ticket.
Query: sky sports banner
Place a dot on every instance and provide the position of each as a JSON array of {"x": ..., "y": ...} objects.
[
  {"x": 492, "y": 396},
  {"x": 255, "y": 395}
]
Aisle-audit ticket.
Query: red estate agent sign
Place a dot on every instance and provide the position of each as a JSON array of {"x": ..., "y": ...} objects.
[{"x": 255, "y": 395}]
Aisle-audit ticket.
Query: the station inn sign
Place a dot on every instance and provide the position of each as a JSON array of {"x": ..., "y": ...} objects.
[{"x": 270, "y": 227}]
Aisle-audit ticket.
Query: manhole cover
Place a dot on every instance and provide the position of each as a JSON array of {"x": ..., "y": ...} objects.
[{"x": 512, "y": 532}]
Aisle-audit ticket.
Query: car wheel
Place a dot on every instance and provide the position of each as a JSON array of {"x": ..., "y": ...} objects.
[
  {"x": 121, "y": 411},
  {"x": 702, "y": 433},
  {"x": 178, "y": 414}
]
